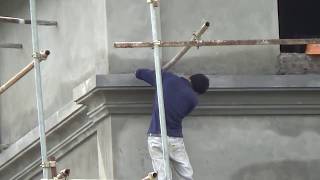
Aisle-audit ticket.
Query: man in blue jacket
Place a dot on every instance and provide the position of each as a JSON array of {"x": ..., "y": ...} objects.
[{"x": 180, "y": 98}]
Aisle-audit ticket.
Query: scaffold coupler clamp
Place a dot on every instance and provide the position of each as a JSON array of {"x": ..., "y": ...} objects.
[
  {"x": 64, "y": 174},
  {"x": 196, "y": 39},
  {"x": 157, "y": 42},
  {"x": 42, "y": 55},
  {"x": 48, "y": 164},
  {"x": 151, "y": 176},
  {"x": 154, "y": 2}
]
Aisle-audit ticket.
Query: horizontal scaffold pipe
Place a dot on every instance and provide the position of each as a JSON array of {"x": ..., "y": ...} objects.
[
  {"x": 11, "y": 45},
  {"x": 217, "y": 43},
  {"x": 4, "y": 19}
]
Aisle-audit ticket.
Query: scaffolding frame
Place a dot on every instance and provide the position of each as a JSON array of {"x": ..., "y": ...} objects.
[
  {"x": 157, "y": 64},
  {"x": 37, "y": 56},
  {"x": 156, "y": 44},
  {"x": 200, "y": 43}
]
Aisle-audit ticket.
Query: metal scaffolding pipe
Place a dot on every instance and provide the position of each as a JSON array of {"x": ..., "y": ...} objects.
[
  {"x": 11, "y": 45},
  {"x": 183, "y": 51},
  {"x": 16, "y": 78},
  {"x": 157, "y": 64},
  {"x": 36, "y": 57},
  {"x": 23, "y": 72},
  {"x": 4, "y": 19},
  {"x": 200, "y": 43}
]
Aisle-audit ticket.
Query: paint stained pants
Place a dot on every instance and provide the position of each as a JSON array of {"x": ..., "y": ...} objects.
[{"x": 179, "y": 160}]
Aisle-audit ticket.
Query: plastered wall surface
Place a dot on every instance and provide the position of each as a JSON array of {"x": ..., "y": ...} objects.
[
  {"x": 261, "y": 127},
  {"x": 179, "y": 19},
  {"x": 82, "y": 161},
  {"x": 229, "y": 147},
  {"x": 81, "y": 46},
  {"x": 78, "y": 51}
]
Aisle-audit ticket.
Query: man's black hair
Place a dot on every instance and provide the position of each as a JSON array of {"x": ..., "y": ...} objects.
[{"x": 199, "y": 83}]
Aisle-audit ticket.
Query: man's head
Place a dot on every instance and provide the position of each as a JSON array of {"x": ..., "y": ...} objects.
[{"x": 199, "y": 83}]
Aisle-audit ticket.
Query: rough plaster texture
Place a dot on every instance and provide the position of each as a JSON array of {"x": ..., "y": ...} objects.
[
  {"x": 260, "y": 140},
  {"x": 230, "y": 19},
  {"x": 85, "y": 167},
  {"x": 81, "y": 46},
  {"x": 130, "y": 147},
  {"x": 247, "y": 128},
  {"x": 264, "y": 147},
  {"x": 294, "y": 63},
  {"x": 239, "y": 147},
  {"x": 83, "y": 160},
  {"x": 68, "y": 134},
  {"x": 229, "y": 147},
  {"x": 78, "y": 47}
]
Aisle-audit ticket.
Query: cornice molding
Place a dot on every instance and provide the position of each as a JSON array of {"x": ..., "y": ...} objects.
[
  {"x": 69, "y": 143},
  {"x": 31, "y": 139},
  {"x": 227, "y": 95}
]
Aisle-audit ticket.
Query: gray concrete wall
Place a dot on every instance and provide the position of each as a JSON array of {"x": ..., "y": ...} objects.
[
  {"x": 81, "y": 46},
  {"x": 78, "y": 47},
  {"x": 247, "y": 19},
  {"x": 226, "y": 147},
  {"x": 229, "y": 147},
  {"x": 244, "y": 128},
  {"x": 82, "y": 161}
]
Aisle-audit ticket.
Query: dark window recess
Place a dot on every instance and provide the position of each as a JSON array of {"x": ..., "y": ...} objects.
[{"x": 298, "y": 19}]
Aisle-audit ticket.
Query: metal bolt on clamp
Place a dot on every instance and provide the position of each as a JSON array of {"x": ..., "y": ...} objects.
[
  {"x": 154, "y": 2},
  {"x": 48, "y": 164},
  {"x": 42, "y": 55},
  {"x": 196, "y": 39},
  {"x": 157, "y": 42},
  {"x": 36, "y": 55}
]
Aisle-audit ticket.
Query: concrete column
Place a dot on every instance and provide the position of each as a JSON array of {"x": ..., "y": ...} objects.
[{"x": 105, "y": 149}]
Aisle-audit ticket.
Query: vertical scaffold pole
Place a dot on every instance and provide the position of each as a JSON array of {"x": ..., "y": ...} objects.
[
  {"x": 36, "y": 54},
  {"x": 157, "y": 63}
]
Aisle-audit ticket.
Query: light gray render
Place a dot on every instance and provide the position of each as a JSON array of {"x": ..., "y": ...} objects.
[{"x": 253, "y": 124}]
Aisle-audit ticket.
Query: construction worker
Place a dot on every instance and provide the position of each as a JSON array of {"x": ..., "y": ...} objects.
[{"x": 180, "y": 98}]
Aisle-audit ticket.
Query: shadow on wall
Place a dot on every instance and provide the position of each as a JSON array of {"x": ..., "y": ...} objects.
[
  {"x": 282, "y": 170},
  {"x": 295, "y": 126}
]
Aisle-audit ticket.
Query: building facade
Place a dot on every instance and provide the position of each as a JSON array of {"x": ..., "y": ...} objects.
[{"x": 259, "y": 120}]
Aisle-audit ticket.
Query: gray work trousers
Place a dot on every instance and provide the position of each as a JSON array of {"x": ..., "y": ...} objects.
[{"x": 179, "y": 160}]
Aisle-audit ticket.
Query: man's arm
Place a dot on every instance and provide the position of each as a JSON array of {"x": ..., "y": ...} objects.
[{"x": 146, "y": 75}]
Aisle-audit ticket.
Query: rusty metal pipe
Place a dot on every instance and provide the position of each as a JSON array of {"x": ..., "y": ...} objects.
[
  {"x": 4, "y": 19},
  {"x": 183, "y": 51},
  {"x": 218, "y": 43},
  {"x": 16, "y": 78},
  {"x": 11, "y": 45},
  {"x": 43, "y": 56}
]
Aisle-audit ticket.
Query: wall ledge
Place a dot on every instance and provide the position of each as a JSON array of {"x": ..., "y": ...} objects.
[
  {"x": 31, "y": 139},
  {"x": 228, "y": 94}
]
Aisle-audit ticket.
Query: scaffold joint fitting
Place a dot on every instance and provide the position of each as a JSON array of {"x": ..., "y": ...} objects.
[
  {"x": 42, "y": 55},
  {"x": 48, "y": 164},
  {"x": 154, "y": 2}
]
